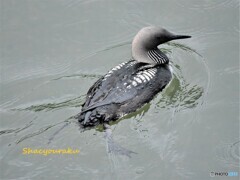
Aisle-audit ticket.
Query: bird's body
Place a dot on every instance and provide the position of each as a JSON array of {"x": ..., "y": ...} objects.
[
  {"x": 123, "y": 90},
  {"x": 130, "y": 85}
]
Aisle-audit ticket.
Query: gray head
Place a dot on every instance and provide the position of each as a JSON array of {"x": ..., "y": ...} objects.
[{"x": 144, "y": 45}]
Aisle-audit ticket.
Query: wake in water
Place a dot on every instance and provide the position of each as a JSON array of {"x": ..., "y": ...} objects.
[{"x": 182, "y": 97}]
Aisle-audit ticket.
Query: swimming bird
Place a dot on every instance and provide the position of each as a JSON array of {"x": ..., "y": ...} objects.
[{"x": 130, "y": 85}]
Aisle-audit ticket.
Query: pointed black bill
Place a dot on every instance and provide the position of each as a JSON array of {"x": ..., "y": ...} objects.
[{"x": 181, "y": 36}]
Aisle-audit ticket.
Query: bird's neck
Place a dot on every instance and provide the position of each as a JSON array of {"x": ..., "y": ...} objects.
[{"x": 152, "y": 56}]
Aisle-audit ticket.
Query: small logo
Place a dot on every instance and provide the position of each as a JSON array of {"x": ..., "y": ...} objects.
[
  {"x": 231, "y": 174},
  {"x": 212, "y": 174}
]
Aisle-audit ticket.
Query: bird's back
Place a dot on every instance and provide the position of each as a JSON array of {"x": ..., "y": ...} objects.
[{"x": 123, "y": 90}]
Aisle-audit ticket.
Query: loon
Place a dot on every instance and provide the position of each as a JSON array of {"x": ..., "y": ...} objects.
[{"x": 130, "y": 85}]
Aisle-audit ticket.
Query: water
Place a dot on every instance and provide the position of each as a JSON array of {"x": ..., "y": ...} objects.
[{"x": 53, "y": 51}]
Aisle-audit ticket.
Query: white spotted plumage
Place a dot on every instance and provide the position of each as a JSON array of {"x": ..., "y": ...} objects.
[
  {"x": 129, "y": 86},
  {"x": 134, "y": 83},
  {"x": 149, "y": 75},
  {"x": 138, "y": 79},
  {"x": 114, "y": 69},
  {"x": 148, "y": 78},
  {"x": 142, "y": 77}
]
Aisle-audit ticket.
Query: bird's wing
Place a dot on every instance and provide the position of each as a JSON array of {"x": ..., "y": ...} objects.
[{"x": 110, "y": 89}]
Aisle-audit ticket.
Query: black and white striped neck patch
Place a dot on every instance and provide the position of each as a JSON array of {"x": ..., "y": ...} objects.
[{"x": 158, "y": 57}]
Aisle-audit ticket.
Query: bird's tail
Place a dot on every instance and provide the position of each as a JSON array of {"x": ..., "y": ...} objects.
[{"x": 90, "y": 118}]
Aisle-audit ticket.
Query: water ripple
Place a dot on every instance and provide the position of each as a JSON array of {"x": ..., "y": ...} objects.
[
  {"x": 44, "y": 129},
  {"x": 30, "y": 71},
  {"x": 212, "y": 5},
  {"x": 76, "y": 3},
  {"x": 228, "y": 153},
  {"x": 73, "y": 102},
  {"x": 180, "y": 95},
  {"x": 17, "y": 130}
]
